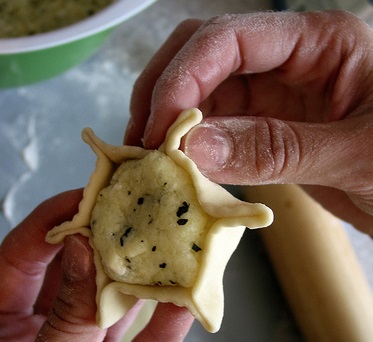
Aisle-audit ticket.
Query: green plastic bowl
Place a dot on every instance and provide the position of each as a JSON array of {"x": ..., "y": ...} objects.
[{"x": 27, "y": 60}]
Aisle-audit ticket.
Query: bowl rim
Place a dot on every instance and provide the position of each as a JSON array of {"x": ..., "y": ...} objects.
[{"x": 109, "y": 17}]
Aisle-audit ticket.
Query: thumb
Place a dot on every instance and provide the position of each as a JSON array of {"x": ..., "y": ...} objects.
[
  {"x": 257, "y": 150},
  {"x": 72, "y": 317}
]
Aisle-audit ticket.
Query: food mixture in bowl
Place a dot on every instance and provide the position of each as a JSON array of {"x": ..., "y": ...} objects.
[{"x": 29, "y": 17}]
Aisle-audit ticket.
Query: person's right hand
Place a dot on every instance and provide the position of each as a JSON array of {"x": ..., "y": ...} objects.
[{"x": 287, "y": 98}]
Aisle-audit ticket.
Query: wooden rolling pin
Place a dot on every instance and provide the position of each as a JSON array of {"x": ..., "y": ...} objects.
[{"x": 316, "y": 266}]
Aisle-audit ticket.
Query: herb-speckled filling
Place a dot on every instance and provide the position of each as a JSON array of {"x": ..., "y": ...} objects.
[{"x": 148, "y": 224}]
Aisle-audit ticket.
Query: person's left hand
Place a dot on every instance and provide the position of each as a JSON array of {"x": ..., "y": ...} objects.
[{"x": 44, "y": 299}]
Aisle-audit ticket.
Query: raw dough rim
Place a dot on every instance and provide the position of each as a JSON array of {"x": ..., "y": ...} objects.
[{"x": 205, "y": 299}]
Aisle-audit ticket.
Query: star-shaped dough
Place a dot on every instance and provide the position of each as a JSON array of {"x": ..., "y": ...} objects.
[{"x": 228, "y": 218}]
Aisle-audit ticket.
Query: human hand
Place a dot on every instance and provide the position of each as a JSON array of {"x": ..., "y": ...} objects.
[
  {"x": 287, "y": 98},
  {"x": 47, "y": 293}
]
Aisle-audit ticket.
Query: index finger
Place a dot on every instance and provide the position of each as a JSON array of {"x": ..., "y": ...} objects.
[
  {"x": 242, "y": 44},
  {"x": 25, "y": 255},
  {"x": 143, "y": 88},
  {"x": 221, "y": 46}
]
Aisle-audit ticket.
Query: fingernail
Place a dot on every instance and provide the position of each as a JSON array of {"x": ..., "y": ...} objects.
[
  {"x": 209, "y": 147},
  {"x": 77, "y": 261}
]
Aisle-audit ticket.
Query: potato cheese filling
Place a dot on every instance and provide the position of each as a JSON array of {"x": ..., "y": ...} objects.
[{"x": 148, "y": 224}]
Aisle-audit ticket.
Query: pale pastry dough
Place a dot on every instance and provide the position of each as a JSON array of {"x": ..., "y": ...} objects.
[{"x": 227, "y": 218}]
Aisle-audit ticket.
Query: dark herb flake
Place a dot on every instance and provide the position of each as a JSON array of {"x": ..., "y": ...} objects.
[
  {"x": 182, "y": 222},
  {"x": 163, "y": 265},
  {"x": 196, "y": 248},
  {"x": 125, "y": 235},
  {"x": 140, "y": 201},
  {"x": 182, "y": 209},
  {"x": 154, "y": 248}
]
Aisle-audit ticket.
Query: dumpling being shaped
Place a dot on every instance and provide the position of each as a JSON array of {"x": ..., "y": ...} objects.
[{"x": 209, "y": 220}]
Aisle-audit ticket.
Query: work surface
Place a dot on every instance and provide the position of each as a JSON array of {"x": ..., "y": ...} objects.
[{"x": 42, "y": 154}]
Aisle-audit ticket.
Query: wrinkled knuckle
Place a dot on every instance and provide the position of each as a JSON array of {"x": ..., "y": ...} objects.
[
  {"x": 60, "y": 317},
  {"x": 277, "y": 151},
  {"x": 67, "y": 317}
]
